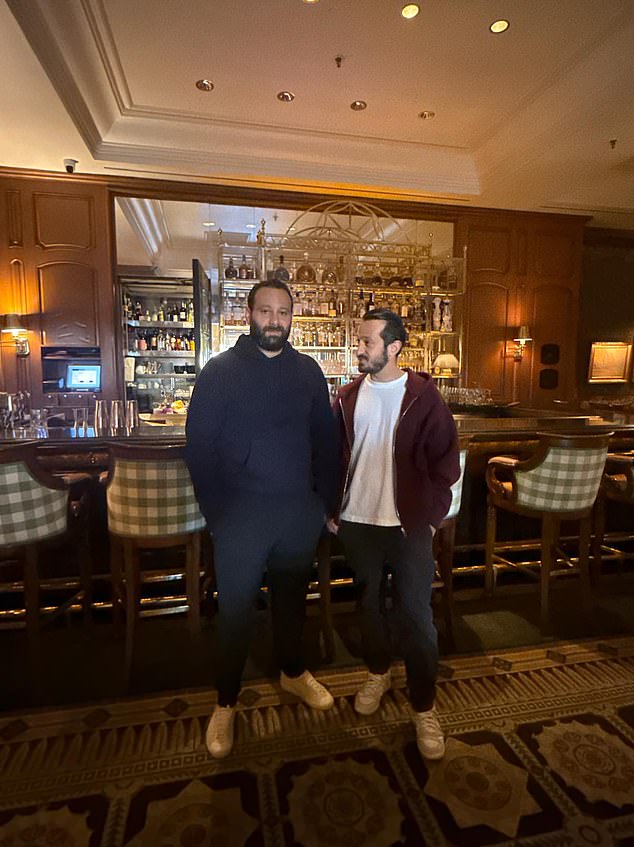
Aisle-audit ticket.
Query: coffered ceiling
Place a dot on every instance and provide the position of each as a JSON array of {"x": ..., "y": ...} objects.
[{"x": 523, "y": 120}]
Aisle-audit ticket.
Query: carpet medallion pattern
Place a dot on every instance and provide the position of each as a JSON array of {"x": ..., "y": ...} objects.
[{"x": 540, "y": 752}]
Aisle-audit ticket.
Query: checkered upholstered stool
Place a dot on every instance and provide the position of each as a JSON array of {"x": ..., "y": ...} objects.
[
  {"x": 617, "y": 485},
  {"x": 151, "y": 504},
  {"x": 559, "y": 482},
  {"x": 444, "y": 541},
  {"x": 37, "y": 512}
]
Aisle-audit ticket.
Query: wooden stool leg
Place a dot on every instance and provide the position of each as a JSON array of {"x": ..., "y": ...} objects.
[
  {"x": 598, "y": 520},
  {"x": 547, "y": 553},
  {"x": 585, "y": 532},
  {"x": 32, "y": 607},
  {"x": 131, "y": 567},
  {"x": 489, "y": 565},
  {"x": 325, "y": 609},
  {"x": 116, "y": 576},
  {"x": 192, "y": 581},
  {"x": 446, "y": 538}
]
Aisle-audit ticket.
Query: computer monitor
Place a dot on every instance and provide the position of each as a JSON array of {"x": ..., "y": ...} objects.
[{"x": 83, "y": 378}]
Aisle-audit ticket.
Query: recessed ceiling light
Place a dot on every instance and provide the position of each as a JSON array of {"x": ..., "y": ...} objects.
[
  {"x": 310, "y": 2},
  {"x": 250, "y": 226},
  {"x": 209, "y": 223},
  {"x": 205, "y": 85},
  {"x": 285, "y": 96},
  {"x": 410, "y": 10},
  {"x": 499, "y": 26},
  {"x": 358, "y": 105},
  {"x": 426, "y": 115}
]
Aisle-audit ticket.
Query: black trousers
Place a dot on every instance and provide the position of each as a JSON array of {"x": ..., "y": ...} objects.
[
  {"x": 369, "y": 549},
  {"x": 255, "y": 534}
]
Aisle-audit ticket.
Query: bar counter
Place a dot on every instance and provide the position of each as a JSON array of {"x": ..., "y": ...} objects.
[{"x": 63, "y": 450}]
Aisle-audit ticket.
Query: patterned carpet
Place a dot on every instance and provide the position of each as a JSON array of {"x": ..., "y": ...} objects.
[{"x": 540, "y": 752}]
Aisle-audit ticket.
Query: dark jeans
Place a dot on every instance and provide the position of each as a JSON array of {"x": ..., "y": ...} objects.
[
  {"x": 368, "y": 550},
  {"x": 254, "y": 535}
]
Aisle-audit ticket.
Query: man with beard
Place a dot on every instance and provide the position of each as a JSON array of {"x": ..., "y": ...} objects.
[
  {"x": 400, "y": 457},
  {"x": 262, "y": 453}
]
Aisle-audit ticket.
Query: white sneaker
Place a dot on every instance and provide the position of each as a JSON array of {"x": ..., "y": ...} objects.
[
  {"x": 219, "y": 735},
  {"x": 306, "y": 687},
  {"x": 429, "y": 735},
  {"x": 368, "y": 697}
]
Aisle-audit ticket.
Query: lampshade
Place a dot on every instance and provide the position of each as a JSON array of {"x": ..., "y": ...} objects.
[
  {"x": 523, "y": 334},
  {"x": 446, "y": 362},
  {"x": 12, "y": 323}
]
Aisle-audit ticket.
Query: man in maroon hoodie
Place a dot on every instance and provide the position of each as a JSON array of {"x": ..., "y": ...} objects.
[{"x": 400, "y": 457}]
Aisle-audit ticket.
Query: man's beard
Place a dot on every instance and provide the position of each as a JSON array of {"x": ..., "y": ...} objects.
[
  {"x": 372, "y": 366},
  {"x": 268, "y": 340}
]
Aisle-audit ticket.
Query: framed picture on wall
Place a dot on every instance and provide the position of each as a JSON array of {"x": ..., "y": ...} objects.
[{"x": 609, "y": 361}]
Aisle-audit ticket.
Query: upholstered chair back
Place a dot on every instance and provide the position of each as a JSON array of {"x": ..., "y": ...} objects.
[
  {"x": 456, "y": 488},
  {"x": 31, "y": 509},
  {"x": 151, "y": 495},
  {"x": 566, "y": 480}
]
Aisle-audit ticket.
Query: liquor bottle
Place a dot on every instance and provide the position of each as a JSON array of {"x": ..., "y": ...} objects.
[
  {"x": 190, "y": 311},
  {"x": 329, "y": 275},
  {"x": 230, "y": 271},
  {"x": 360, "y": 305},
  {"x": 142, "y": 341},
  {"x": 371, "y": 303},
  {"x": 243, "y": 268},
  {"x": 161, "y": 310},
  {"x": 332, "y": 304},
  {"x": 324, "y": 305},
  {"x": 182, "y": 312},
  {"x": 306, "y": 272},
  {"x": 281, "y": 271}
]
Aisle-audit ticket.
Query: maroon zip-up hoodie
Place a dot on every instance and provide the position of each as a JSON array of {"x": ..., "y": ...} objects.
[{"x": 426, "y": 452}]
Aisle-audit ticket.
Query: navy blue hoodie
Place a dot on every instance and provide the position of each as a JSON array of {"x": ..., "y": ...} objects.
[{"x": 260, "y": 425}]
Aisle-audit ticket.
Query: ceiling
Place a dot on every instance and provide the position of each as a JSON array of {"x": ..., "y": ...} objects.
[{"x": 523, "y": 119}]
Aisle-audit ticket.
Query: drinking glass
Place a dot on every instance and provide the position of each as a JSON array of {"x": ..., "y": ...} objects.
[
  {"x": 101, "y": 416},
  {"x": 131, "y": 414},
  {"x": 117, "y": 417},
  {"x": 80, "y": 419}
]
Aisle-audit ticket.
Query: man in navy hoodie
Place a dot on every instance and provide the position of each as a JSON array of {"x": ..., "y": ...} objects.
[
  {"x": 400, "y": 457},
  {"x": 262, "y": 453}
]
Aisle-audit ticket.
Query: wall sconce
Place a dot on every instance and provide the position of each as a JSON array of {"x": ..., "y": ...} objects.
[
  {"x": 445, "y": 365},
  {"x": 521, "y": 339},
  {"x": 12, "y": 324}
]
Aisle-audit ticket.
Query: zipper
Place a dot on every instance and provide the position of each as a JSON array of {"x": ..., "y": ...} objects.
[
  {"x": 398, "y": 423},
  {"x": 347, "y": 429}
]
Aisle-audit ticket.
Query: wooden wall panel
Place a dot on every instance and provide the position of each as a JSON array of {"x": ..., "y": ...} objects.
[
  {"x": 487, "y": 310},
  {"x": 68, "y": 304},
  {"x": 556, "y": 254},
  {"x": 64, "y": 222},
  {"x": 489, "y": 249},
  {"x": 537, "y": 259},
  {"x": 56, "y": 271}
]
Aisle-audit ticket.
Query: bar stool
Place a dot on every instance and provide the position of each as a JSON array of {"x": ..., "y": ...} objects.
[
  {"x": 151, "y": 504},
  {"x": 444, "y": 542},
  {"x": 617, "y": 485},
  {"x": 37, "y": 511},
  {"x": 559, "y": 482}
]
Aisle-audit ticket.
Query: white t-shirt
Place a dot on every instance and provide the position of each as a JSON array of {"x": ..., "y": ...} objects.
[{"x": 370, "y": 495}]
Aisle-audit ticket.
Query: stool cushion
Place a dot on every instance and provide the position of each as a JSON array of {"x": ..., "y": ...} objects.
[
  {"x": 566, "y": 480},
  {"x": 29, "y": 510},
  {"x": 152, "y": 498}
]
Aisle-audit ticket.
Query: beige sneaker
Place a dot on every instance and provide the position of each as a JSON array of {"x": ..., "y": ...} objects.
[
  {"x": 306, "y": 687},
  {"x": 219, "y": 735},
  {"x": 368, "y": 697},
  {"x": 429, "y": 735}
]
